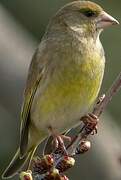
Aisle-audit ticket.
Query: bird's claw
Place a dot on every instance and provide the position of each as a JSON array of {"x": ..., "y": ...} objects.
[
  {"x": 58, "y": 142},
  {"x": 90, "y": 120}
]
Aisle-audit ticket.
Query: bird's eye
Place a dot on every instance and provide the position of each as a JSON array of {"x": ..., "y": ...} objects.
[{"x": 89, "y": 13}]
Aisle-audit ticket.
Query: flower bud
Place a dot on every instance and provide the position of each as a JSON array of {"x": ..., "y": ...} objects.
[
  {"x": 41, "y": 166},
  {"x": 65, "y": 163},
  {"x": 26, "y": 175},
  {"x": 52, "y": 175},
  {"x": 83, "y": 147},
  {"x": 63, "y": 177}
]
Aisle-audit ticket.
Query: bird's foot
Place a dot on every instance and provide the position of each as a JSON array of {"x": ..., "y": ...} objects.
[
  {"x": 58, "y": 141},
  {"x": 90, "y": 120}
]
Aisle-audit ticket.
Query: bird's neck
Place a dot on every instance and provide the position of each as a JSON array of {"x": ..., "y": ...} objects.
[
  {"x": 75, "y": 38},
  {"x": 89, "y": 43}
]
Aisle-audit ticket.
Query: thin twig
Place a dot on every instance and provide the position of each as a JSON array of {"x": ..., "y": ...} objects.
[{"x": 98, "y": 109}]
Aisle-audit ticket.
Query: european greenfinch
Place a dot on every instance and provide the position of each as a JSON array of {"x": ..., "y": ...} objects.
[{"x": 64, "y": 78}]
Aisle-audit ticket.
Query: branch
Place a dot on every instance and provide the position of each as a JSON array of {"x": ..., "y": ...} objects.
[{"x": 109, "y": 95}]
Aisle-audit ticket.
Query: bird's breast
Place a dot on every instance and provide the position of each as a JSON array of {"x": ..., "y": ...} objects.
[{"x": 70, "y": 92}]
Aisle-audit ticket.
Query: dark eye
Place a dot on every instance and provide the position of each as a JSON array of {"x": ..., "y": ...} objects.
[{"x": 89, "y": 13}]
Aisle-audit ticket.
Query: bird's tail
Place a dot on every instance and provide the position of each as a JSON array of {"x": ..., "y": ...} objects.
[{"x": 17, "y": 163}]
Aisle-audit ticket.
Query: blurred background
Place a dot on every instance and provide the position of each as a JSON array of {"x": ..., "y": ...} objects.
[{"x": 22, "y": 24}]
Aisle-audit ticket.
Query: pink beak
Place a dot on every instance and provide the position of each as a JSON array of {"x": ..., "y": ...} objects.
[{"x": 106, "y": 20}]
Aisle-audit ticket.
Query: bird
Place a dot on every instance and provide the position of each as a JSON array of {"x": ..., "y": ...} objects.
[{"x": 64, "y": 77}]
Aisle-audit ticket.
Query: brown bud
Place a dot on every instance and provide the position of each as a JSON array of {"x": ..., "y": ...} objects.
[
  {"x": 26, "y": 175},
  {"x": 65, "y": 163},
  {"x": 83, "y": 147},
  {"x": 54, "y": 175},
  {"x": 41, "y": 166},
  {"x": 63, "y": 177}
]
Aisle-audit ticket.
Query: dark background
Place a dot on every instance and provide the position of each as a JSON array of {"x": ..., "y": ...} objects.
[{"x": 22, "y": 24}]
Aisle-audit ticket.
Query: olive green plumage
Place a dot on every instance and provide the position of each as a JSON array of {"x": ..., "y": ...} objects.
[{"x": 64, "y": 77}]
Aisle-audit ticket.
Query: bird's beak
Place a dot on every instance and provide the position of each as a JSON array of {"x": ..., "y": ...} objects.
[{"x": 105, "y": 20}]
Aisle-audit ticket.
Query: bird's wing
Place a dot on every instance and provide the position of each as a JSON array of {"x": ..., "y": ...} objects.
[{"x": 34, "y": 77}]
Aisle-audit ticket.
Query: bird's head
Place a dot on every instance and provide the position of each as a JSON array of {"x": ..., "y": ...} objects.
[{"x": 85, "y": 17}]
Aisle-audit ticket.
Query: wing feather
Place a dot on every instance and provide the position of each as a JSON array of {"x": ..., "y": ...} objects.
[{"x": 34, "y": 78}]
